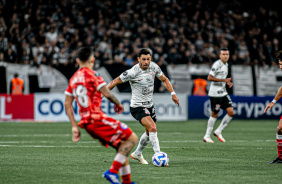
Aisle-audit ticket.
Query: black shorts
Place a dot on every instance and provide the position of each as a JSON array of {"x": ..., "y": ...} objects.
[
  {"x": 140, "y": 112},
  {"x": 218, "y": 103}
]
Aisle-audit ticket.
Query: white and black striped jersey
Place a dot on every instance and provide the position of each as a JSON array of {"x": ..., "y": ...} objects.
[
  {"x": 142, "y": 84},
  {"x": 220, "y": 71}
]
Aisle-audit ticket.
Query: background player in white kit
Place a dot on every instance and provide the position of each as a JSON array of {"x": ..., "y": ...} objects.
[
  {"x": 141, "y": 77},
  {"x": 219, "y": 97}
]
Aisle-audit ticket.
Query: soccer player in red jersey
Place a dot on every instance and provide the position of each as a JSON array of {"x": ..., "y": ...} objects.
[
  {"x": 278, "y": 160},
  {"x": 86, "y": 87}
]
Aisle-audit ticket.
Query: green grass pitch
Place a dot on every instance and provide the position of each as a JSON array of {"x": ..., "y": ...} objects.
[{"x": 44, "y": 153}]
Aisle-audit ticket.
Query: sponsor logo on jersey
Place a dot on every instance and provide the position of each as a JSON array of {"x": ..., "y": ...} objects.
[
  {"x": 145, "y": 103},
  {"x": 146, "y": 111},
  {"x": 123, "y": 126}
]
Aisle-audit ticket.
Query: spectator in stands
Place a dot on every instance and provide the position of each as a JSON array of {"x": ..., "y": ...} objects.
[
  {"x": 169, "y": 28},
  {"x": 3, "y": 42},
  {"x": 16, "y": 85},
  {"x": 10, "y": 56}
]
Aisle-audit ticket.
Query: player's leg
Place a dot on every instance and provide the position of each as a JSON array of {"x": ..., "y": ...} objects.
[
  {"x": 227, "y": 105},
  {"x": 279, "y": 143},
  {"x": 211, "y": 122},
  {"x": 122, "y": 153},
  {"x": 227, "y": 118},
  {"x": 151, "y": 127},
  {"x": 125, "y": 173},
  {"x": 112, "y": 132},
  {"x": 143, "y": 142},
  {"x": 215, "y": 106},
  {"x": 139, "y": 113},
  {"x": 120, "y": 162}
]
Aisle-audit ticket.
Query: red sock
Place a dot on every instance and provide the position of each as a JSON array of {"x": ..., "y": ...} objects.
[
  {"x": 126, "y": 179},
  {"x": 115, "y": 167},
  {"x": 125, "y": 174},
  {"x": 118, "y": 163},
  {"x": 279, "y": 147}
]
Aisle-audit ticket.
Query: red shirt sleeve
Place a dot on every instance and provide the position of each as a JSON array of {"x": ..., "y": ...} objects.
[
  {"x": 68, "y": 91},
  {"x": 99, "y": 81}
]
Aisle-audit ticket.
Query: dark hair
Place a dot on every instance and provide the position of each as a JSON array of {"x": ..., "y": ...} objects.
[
  {"x": 144, "y": 51},
  {"x": 16, "y": 75},
  {"x": 84, "y": 54},
  {"x": 223, "y": 49},
  {"x": 279, "y": 55}
]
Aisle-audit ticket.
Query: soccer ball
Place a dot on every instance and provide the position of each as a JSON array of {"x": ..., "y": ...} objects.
[{"x": 160, "y": 159}]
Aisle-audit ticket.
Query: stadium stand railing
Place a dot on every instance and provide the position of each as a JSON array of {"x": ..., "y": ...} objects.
[{"x": 242, "y": 79}]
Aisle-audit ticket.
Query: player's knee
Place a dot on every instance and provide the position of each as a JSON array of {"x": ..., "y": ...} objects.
[
  {"x": 133, "y": 137},
  {"x": 279, "y": 130},
  {"x": 153, "y": 129},
  {"x": 231, "y": 114}
]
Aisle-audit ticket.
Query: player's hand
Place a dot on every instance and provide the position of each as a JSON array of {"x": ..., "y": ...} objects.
[
  {"x": 118, "y": 108},
  {"x": 227, "y": 80},
  {"x": 269, "y": 106},
  {"x": 75, "y": 134},
  {"x": 175, "y": 99},
  {"x": 229, "y": 84}
]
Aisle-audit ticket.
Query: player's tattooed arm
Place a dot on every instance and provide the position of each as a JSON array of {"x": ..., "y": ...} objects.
[
  {"x": 169, "y": 87},
  {"x": 109, "y": 95},
  {"x": 114, "y": 82}
]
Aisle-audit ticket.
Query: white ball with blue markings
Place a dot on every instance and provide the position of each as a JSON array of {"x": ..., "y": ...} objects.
[{"x": 160, "y": 159}]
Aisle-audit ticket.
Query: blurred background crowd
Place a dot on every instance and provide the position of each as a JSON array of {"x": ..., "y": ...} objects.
[{"x": 177, "y": 32}]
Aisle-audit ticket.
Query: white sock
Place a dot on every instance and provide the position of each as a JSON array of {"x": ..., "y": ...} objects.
[
  {"x": 210, "y": 125},
  {"x": 154, "y": 141},
  {"x": 120, "y": 158},
  {"x": 142, "y": 144},
  {"x": 278, "y": 136},
  {"x": 223, "y": 124},
  {"x": 125, "y": 170}
]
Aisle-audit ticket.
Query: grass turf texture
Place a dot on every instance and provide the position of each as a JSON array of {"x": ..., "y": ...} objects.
[{"x": 44, "y": 153}]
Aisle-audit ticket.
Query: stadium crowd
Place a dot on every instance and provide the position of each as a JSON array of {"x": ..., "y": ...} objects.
[{"x": 178, "y": 32}]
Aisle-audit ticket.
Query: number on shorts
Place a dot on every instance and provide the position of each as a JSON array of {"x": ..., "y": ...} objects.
[{"x": 81, "y": 95}]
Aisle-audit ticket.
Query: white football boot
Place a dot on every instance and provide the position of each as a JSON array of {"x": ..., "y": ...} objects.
[
  {"x": 138, "y": 158},
  {"x": 219, "y": 136},
  {"x": 208, "y": 140}
]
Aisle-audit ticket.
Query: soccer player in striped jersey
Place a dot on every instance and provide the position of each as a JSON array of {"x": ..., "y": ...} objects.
[{"x": 141, "y": 78}]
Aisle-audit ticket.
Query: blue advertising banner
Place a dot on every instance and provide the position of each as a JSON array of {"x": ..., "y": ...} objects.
[{"x": 244, "y": 108}]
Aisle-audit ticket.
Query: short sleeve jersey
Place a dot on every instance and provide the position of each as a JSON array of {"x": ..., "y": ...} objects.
[
  {"x": 220, "y": 71},
  {"x": 84, "y": 86},
  {"x": 142, "y": 84}
]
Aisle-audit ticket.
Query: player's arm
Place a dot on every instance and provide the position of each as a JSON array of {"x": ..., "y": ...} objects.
[
  {"x": 110, "y": 96},
  {"x": 276, "y": 98},
  {"x": 69, "y": 111},
  {"x": 169, "y": 87},
  {"x": 227, "y": 80},
  {"x": 114, "y": 82}
]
